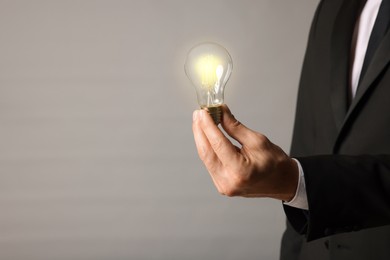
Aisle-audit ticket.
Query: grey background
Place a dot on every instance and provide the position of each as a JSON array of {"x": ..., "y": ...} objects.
[{"x": 97, "y": 159}]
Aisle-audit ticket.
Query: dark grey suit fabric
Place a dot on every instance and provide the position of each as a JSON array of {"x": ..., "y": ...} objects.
[{"x": 343, "y": 145}]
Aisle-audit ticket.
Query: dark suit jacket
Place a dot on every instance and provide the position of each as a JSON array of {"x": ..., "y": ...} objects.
[{"x": 344, "y": 148}]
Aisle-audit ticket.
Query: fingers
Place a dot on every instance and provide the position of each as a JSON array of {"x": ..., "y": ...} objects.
[
  {"x": 254, "y": 170},
  {"x": 235, "y": 129},
  {"x": 205, "y": 151},
  {"x": 220, "y": 144}
]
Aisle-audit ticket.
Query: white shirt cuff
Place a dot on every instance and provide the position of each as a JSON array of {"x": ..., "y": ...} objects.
[{"x": 300, "y": 198}]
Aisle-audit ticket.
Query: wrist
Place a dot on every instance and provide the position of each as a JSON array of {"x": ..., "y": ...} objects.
[{"x": 289, "y": 176}]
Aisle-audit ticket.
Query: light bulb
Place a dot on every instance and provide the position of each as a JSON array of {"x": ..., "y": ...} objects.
[{"x": 208, "y": 66}]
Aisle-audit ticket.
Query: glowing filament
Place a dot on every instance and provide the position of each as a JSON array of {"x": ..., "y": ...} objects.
[{"x": 210, "y": 71}]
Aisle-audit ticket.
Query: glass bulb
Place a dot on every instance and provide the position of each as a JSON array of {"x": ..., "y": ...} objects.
[{"x": 208, "y": 66}]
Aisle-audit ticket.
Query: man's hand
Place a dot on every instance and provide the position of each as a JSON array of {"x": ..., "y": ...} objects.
[{"x": 256, "y": 169}]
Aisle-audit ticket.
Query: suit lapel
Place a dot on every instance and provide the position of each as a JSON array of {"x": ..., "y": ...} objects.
[
  {"x": 379, "y": 62},
  {"x": 340, "y": 57}
]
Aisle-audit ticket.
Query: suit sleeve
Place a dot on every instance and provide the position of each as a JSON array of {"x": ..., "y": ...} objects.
[{"x": 345, "y": 194}]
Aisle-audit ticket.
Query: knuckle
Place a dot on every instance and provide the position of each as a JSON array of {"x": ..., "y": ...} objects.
[
  {"x": 205, "y": 156},
  {"x": 208, "y": 161},
  {"x": 261, "y": 140},
  {"x": 237, "y": 184},
  {"x": 221, "y": 189},
  {"x": 235, "y": 123},
  {"x": 202, "y": 154},
  {"x": 210, "y": 164},
  {"x": 217, "y": 144},
  {"x": 230, "y": 193},
  {"x": 221, "y": 192}
]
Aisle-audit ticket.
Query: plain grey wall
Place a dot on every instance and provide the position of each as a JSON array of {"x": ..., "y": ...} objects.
[{"x": 97, "y": 159}]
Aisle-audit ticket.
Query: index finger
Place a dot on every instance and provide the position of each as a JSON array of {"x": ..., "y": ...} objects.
[{"x": 223, "y": 148}]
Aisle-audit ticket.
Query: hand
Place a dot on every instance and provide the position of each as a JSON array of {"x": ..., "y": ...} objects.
[{"x": 258, "y": 168}]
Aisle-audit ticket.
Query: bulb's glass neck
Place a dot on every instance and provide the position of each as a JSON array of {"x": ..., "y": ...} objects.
[{"x": 209, "y": 98}]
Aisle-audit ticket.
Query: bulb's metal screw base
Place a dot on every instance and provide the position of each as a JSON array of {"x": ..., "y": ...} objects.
[{"x": 215, "y": 113}]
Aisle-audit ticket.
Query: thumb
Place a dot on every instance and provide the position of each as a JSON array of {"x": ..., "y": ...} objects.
[{"x": 235, "y": 129}]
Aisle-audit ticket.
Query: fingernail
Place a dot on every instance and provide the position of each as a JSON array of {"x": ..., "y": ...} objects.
[
  {"x": 195, "y": 115},
  {"x": 201, "y": 113}
]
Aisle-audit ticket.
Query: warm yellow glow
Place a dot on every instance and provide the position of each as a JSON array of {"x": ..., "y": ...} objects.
[{"x": 208, "y": 68}]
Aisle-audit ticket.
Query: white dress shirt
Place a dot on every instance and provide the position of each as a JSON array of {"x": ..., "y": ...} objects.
[{"x": 363, "y": 29}]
